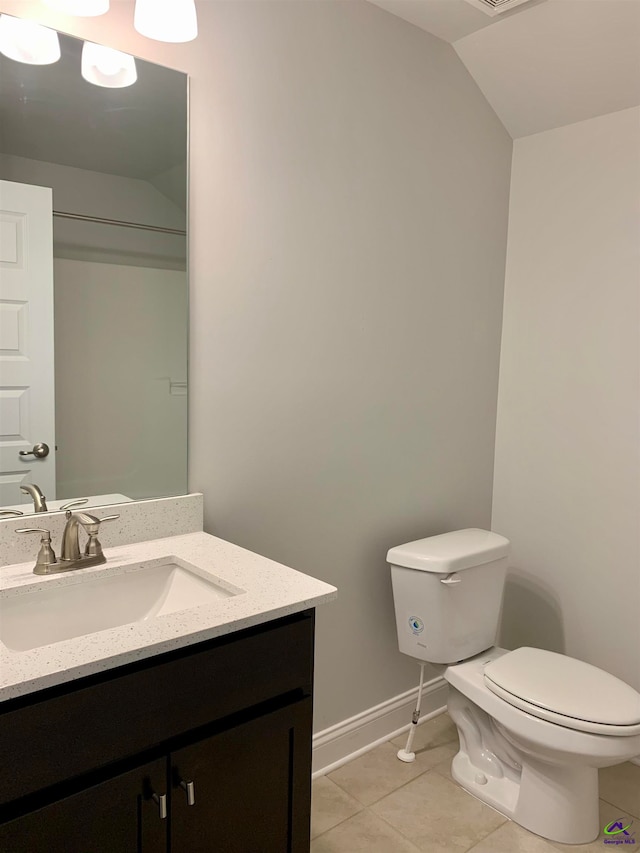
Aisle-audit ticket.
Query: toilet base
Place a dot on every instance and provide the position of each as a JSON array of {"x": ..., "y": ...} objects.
[
  {"x": 555, "y": 800},
  {"x": 561, "y": 805}
]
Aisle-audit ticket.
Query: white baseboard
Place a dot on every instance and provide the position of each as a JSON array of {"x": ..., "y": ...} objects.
[
  {"x": 351, "y": 738},
  {"x": 344, "y": 741}
]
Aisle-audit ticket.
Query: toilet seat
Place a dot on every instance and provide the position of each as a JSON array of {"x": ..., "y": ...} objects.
[{"x": 565, "y": 691}]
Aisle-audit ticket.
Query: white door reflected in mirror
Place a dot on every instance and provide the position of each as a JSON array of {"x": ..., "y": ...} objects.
[{"x": 27, "y": 416}]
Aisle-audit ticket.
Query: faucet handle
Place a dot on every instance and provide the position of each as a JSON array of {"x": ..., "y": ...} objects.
[
  {"x": 5, "y": 513},
  {"x": 46, "y": 555},
  {"x": 91, "y": 523},
  {"x": 94, "y": 547},
  {"x": 78, "y": 502}
]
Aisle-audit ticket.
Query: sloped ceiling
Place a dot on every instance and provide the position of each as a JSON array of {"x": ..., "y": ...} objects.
[
  {"x": 448, "y": 19},
  {"x": 544, "y": 64}
]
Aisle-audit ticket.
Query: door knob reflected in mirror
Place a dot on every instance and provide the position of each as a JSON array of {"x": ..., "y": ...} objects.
[{"x": 39, "y": 451}]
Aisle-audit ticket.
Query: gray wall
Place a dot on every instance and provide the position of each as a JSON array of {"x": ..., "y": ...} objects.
[
  {"x": 120, "y": 349},
  {"x": 567, "y": 473},
  {"x": 348, "y": 201},
  {"x": 347, "y": 327}
]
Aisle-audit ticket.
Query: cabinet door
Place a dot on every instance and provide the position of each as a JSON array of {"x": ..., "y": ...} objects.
[
  {"x": 251, "y": 787},
  {"x": 116, "y": 816}
]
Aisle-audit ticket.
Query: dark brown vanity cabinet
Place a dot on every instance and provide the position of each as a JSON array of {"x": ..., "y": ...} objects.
[
  {"x": 203, "y": 749},
  {"x": 109, "y": 817},
  {"x": 244, "y": 796}
]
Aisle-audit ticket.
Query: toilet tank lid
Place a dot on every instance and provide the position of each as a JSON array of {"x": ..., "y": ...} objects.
[{"x": 450, "y": 552}]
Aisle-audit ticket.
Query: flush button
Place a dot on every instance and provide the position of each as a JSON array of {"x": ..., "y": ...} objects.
[{"x": 481, "y": 779}]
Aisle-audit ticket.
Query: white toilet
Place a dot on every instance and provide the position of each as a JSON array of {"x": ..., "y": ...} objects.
[{"x": 534, "y": 726}]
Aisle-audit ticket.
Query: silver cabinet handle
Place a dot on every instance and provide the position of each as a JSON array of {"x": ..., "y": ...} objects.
[
  {"x": 190, "y": 789},
  {"x": 38, "y": 450},
  {"x": 161, "y": 801}
]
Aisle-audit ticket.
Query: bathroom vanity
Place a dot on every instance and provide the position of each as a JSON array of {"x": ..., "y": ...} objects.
[
  {"x": 161, "y": 701},
  {"x": 187, "y": 730}
]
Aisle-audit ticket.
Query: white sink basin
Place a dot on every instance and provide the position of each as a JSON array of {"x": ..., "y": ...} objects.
[{"x": 81, "y": 605}]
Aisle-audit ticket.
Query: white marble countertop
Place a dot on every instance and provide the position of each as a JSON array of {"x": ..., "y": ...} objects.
[{"x": 271, "y": 590}]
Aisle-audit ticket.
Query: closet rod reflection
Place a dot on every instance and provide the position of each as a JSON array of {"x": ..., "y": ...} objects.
[{"x": 102, "y": 221}]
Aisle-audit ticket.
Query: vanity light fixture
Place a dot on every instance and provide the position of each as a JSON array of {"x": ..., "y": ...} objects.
[
  {"x": 104, "y": 66},
  {"x": 166, "y": 20},
  {"x": 81, "y": 8},
  {"x": 27, "y": 41}
]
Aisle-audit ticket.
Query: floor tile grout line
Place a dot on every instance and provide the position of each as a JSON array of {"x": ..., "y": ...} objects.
[
  {"x": 505, "y": 821},
  {"x": 468, "y": 850},
  {"x": 397, "y": 788},
  {"x": 475, "y": 844},
  {"x": 622, "y": 809},
  {"x": 368, "y": 808},
  {"x": 433, "y": 770},
  {"x": 345, "y": 791},
  {"x": 340, "y": 822},
  {"x": 400, "y": 787},
  {"x": 395, "y": 828},
  {"x": 388, "y": 793}
]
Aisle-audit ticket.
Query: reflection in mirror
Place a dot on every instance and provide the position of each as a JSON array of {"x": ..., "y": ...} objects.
[{"x": 93, "y": 282}]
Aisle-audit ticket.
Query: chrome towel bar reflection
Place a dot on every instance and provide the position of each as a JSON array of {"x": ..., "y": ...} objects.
[{"x": 100, "y": 220}]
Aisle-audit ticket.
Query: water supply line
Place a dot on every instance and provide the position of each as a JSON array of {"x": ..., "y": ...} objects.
[{"x": 406, "y": 754}]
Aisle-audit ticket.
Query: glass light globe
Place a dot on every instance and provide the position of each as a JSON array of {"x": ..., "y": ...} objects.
[
  {"x": 166, "y": 20},
  {"x": 104, "y": 66},
  {"x": 27, "y": 41}
]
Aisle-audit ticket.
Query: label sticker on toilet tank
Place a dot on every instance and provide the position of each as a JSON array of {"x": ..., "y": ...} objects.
[{"x": 416, "y": 624}]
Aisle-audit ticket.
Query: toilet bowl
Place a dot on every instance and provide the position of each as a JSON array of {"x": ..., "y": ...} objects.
[
  {"x": 534, "y": 726},
  {"x": 542, "y": 774}
]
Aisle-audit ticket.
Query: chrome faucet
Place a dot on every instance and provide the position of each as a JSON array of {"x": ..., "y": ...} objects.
[
  {"x": 39, "y": 500},
  {"x": 70, "y": 555},
  {"x": 70, "y": 547}
]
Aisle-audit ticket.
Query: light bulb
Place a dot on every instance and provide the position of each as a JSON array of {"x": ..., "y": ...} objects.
[
  {"x": 81, "y": 8},
  {"x": 27, "y": 41},
  {"x": 104, "y": 66},
  {"x": 166, "y": 20}
]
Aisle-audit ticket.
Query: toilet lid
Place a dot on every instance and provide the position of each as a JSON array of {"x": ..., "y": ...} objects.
[{"x": 565, "y": 690}]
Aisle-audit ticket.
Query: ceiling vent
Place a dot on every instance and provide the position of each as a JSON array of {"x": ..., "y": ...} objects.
[{"x": 496, "y": 7}]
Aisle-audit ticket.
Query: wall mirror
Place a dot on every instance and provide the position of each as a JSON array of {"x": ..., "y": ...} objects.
[{"x": 93, "y": 282}]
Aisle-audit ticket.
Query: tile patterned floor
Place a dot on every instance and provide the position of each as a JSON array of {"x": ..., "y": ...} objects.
[{"x": 377, "y": 804}]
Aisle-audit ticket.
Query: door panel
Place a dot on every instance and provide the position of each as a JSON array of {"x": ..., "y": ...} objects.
[
  {"x": 117, "y": 816},
  {"x": 251, "y": 786},
  {"x": 27, "y": 414}
]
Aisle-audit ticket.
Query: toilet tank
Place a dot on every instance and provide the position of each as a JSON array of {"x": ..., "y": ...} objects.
[{"x": 447, "y": 593}]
